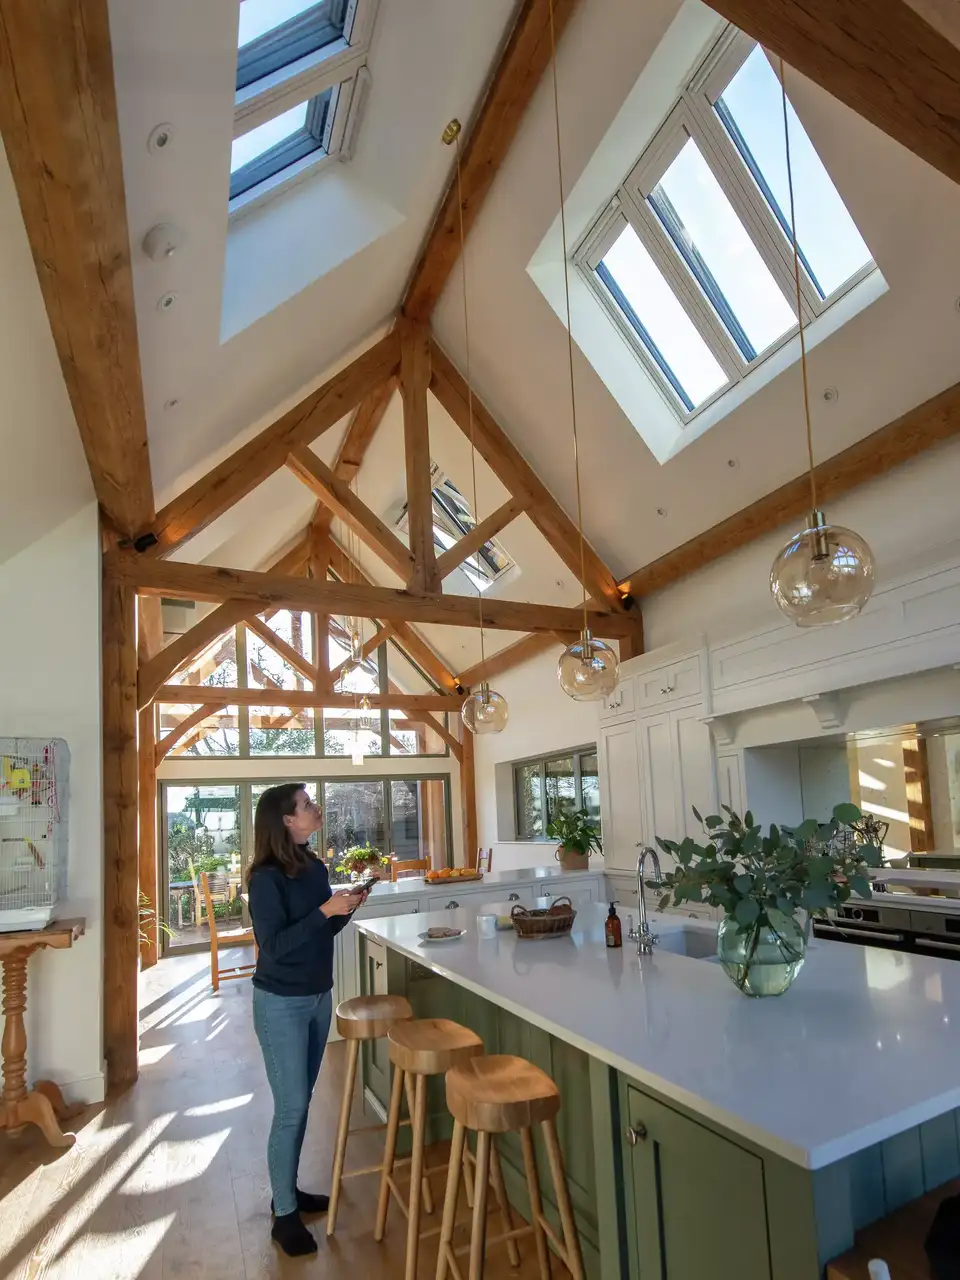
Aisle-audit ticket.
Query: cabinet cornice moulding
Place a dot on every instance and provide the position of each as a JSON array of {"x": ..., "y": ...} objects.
[{"x": 826, "y": 707}]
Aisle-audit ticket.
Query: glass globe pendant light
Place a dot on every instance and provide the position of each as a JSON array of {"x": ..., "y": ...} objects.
[
  {"x": 825, "y": 573},
  {"x": 484, "y": 711},
  {"x": 361, "y": 724},
  {"x": 588, "y": 669},
  {"x": 352, "y": 676}
]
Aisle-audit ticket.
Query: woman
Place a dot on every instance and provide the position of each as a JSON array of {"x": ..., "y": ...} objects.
[{"x": 295, "y": 920}]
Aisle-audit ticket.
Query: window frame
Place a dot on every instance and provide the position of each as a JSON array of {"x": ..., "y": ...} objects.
[
  {"x": 340, "y": 68},
  {"x": 586, "y": 749},
  {"x": 694, "y": 116}
]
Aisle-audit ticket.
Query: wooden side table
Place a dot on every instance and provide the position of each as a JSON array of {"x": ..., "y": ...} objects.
[{"x": 43, "y": 1105}]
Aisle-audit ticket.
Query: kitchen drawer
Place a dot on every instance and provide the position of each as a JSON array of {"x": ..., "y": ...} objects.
[
  {"x": 620, "y": 702},
  {"x": 579, "y": 894},
  {"x": 673, "y": 683}
]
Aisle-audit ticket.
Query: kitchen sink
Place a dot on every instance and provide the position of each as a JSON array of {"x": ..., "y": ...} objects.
[{"x": 697, "y": 944}]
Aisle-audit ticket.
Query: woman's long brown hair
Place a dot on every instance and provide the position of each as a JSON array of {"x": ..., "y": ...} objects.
[{"x": 272, "y": 841}]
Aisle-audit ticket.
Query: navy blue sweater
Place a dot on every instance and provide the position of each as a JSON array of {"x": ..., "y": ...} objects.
[{"x": 294, "y": 937}]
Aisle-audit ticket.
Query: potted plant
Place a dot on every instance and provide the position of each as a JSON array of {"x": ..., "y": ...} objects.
[
  {"x": 577, "y": 838},
  {"x": 360, "y": 859},
  {"x": 765, "y": 883}
]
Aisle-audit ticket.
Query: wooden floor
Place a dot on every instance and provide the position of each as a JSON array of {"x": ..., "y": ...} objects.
[{"x": 169, "y": 1181}]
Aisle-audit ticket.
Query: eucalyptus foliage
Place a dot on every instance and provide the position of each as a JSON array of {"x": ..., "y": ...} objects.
[{"x": 762, "y": 880}]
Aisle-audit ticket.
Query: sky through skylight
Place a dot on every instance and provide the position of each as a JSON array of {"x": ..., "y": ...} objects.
[
  {"x": 253, "y": 144},
  {"x": 257, "y": 17}
]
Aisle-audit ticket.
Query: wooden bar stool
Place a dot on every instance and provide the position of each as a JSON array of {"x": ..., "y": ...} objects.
[
  {"x": 500, "y": 1094},
  {"x": 418, "y": 1050},
  {"x": 360, "y": 1019}
]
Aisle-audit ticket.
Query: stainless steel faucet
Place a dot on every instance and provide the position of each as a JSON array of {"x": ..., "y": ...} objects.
[{"x": 644, "y": 939}]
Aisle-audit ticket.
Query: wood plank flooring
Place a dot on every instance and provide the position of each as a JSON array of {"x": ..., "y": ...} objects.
[{"x": 169, "y": 1181}]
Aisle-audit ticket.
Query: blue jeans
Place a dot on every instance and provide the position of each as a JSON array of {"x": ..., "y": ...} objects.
[{"x": 292, "y": 1031}]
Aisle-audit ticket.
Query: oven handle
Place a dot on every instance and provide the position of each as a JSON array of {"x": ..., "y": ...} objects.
[
  {"x": 864, "y": 934},
  {"x": 936, "y": 943}
]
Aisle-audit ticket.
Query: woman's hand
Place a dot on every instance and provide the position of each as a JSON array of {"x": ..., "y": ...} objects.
[{"x": 341, "y": 904}]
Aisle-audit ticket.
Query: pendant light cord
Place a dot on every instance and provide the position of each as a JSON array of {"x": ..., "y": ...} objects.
[
  {"x": 566, "y": 294},
  {"x": 796, "y": 280},
  {"x": 466, "y": 341}
]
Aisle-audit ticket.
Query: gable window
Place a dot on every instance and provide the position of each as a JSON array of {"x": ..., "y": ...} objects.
[
  {"x": 551, "y": 785},
  {"x": 452, "y": 519},
  {"x": 693, "y": 258},
  {"x": 301, "y": 81}
]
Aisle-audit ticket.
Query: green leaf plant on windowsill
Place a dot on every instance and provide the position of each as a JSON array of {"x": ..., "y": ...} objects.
[
  {"x": 360, "y": 859},
  {"x": 764, "y": 882},
  {"x": 577, "y": 837}
]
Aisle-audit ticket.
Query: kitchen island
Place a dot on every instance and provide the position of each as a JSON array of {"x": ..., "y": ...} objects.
[{"x": 706, "y": 1134}]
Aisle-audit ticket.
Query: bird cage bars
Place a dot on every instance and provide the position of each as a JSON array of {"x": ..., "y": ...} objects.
[{"x": 33, "y": 830}]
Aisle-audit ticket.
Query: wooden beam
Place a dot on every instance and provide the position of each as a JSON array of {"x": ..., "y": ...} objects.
[
  {"x": 468, "y": 800},
  {"x": 343, "y": 502},
  {"x": 885, "y": 61},
  {"x": 208, "y": 582},
  {"x": 318, "y": 565},
  {"x": 524, "y": 60},
  {"x": 509, "y": 465},
  {"x": 406, "y": 637},
  {"x": 183, "y": 695},
  {"x": 120, "y": 813},
  {"x": 480, "y": 534},
  {"x": 179, "y": 652},
  {"x": 252, "y": 463},
  {"x": 507, "y": 658},
  {"x": 286, "y": 651},
  {"x": 414, "y": 383},
  {"x": 929, "y": 424},
  {"x": 149, "y": 643},
  {"x": 363, "y": 427},
  {"x": 58, "y": 117},
  {"x": 170, "y": 740}
]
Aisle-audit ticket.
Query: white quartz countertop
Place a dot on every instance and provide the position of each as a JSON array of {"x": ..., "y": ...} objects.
[
  {"x": 864, "y": 1045},
  {"x": 416, "y": 886}
]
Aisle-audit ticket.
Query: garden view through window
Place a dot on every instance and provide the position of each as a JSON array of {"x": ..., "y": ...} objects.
[{"x": 546, "y": 787}]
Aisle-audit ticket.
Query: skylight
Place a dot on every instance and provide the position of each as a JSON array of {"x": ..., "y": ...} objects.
[
  {"x": 301, "y": 81},
  {"x": 694, "y": 260},
  {"x": 452, "y": 519}
]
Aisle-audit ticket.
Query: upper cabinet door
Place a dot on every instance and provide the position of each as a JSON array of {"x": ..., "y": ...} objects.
[
  {"x": 660, "y": 767},
  {"x": 621, "y": 806},
  {"x": 697, "y": 787},
  {"x": 670, "y": 684},
  {"x": 620, "y": 702}
]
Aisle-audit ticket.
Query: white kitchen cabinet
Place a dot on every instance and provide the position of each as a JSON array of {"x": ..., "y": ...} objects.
[
  {"x": 620, "y": 703},
  {"x": 676, "y": 761},
  {"x": 346, "y": 969},
  {"x": 579, "y": 892},
  {"x": 621, "y": 804},
  {"x": 669, "y": 685},
  {"x": 730, "y": 781}
]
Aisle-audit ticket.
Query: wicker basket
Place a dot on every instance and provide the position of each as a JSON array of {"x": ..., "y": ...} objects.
[{"x": 544, "y": 922}]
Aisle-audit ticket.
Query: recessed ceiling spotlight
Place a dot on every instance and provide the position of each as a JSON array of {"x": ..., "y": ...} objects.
[
  {"x": 830, "y": 395},
  {"x": 957, "y": 304},
  {"x": 171, "y": 404},
  {"x": 560, "y": 582},
  {"x": 661, "y": 511},
  {"x": 160, "y": 138},
  {"x": 163, "y": 241},
  {"x": 733, "y": 463},
  {"x": 166, "y": 302}
]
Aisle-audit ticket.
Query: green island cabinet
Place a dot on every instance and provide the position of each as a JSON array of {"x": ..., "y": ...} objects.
[{"x": 659, "y": 1192}]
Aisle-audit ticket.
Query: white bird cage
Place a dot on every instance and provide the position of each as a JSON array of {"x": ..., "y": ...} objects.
[{"x": 33, "y": 830}]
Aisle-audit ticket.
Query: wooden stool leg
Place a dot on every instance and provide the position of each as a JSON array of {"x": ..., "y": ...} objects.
[
  {"x": 416, "y": 1176},
  {"x": 427, "y": 1193},
  {"x": 468, "y": 1176},
  {"x": 500, "y": 1191},
  {"x": 536, "y": 1203},
  {"x": 389, "y": 1153},
  {"x": 571, "y": 1240},
  {"x": 479, "y": 1228},
  {"x": 343, "y": 1126},
  {"x": 454, "y": 1170}
]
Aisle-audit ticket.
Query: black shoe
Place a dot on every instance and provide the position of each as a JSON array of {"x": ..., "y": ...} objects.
[
  {"x": 307, "y": 1203},
  {"x": 292, "y": 1236}
]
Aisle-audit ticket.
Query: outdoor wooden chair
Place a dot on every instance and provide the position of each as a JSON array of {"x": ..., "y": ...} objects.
[
  {"x": 412, "y": 867},
  {"x": 224, "y": 939},
  {"x": 219, "y": 891}
]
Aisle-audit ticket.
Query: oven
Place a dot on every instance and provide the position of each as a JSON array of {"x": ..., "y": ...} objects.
[{"x": 894, "y": 928}]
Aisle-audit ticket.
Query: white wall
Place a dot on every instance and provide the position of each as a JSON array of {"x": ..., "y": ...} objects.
[
  {"x": 50, "y": 686},
  {"x": 542, "y": 719}
]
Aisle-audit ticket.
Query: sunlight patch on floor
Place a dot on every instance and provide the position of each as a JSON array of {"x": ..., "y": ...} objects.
[
  {"x": 215, "y": 1108},
  {"x": 95, "y": 1253}
]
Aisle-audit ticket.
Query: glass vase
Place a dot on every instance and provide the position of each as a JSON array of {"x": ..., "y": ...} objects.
[{"x": 761, "y": 960}]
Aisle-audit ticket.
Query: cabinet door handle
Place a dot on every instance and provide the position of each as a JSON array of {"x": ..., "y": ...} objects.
[
  {"x": 514, "y": 897},
  {"x": 636, "y": 1133},
  {"x": 378, "y": 964},
  {"x": 453, "y": 905}
]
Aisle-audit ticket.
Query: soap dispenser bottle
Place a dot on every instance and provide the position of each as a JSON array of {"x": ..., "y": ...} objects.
[{"x": 613, "y": 929}]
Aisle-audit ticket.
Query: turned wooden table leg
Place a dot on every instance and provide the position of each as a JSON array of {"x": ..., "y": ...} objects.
[
  {"x": 14, "y": 1043},
  {"x": 18, "y": 1107}
]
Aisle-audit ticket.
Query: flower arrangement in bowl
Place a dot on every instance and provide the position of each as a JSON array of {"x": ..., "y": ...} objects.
[
  {"x": 577, "y": 837},
  {"x": 764, "y": 883},
  {"x": 361, "y": 859}
]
